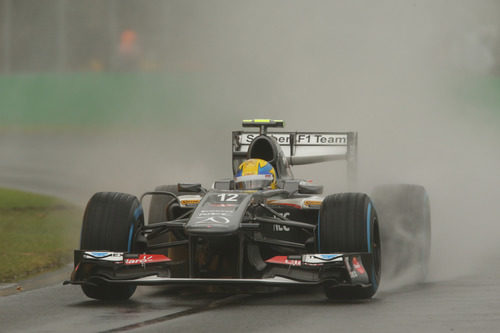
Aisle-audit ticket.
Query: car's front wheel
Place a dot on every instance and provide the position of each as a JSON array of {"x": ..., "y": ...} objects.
[
  {"x": 348, "y": 223},
  {"x": 110, "y": 223}
]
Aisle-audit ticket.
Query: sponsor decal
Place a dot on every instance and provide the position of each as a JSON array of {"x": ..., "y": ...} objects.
[
  {"x": 321, "y": 139},
  {"x": 352, "y": 272},
  {"x": 283, "y": 139},
  {"x": 99, "y": 254},
  {"x": 320, "y": 259},
  {"x": 147, "y": 259},
  {"x": 214, "y": 220},
  {"x": 73, "y": 274},
  {"x": 222, "y": 205},
  {"x": 279, "y": 227},
  {"x": 357, "y": 266},
  {"x": 312, "y": 203},
  {"x": 326, "y": 257},
  {"x": 215, "y": 212},
  {"x": 356, "y": 270},
  {"x": 190, "y": 203},
  {"x": 300, "y": 139},
  {"x": 282, "y": 203},
  {"x": 283, "y": 260},
  {"x": 104, "y": 256}
]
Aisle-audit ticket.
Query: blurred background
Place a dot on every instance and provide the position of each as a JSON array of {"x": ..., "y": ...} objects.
[
  {"x": 125, "y": 95},
  {"x": 94, "y": 61},
  {"x": 157, "y": 35},
  {"x": 79, "y": 36}
]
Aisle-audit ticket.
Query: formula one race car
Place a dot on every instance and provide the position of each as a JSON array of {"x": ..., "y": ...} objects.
[{"x": 261, "y": 227}]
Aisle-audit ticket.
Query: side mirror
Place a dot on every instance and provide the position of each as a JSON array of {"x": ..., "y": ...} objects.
[
  {"x": 309, "y": 188},
  {"x": 291, "y": 186},
  {"x": 193, "y": 188},
  {"x": 225, "y": 185}
]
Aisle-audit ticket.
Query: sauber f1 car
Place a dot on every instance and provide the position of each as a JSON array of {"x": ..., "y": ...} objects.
[{"x": 261, "y": 227}]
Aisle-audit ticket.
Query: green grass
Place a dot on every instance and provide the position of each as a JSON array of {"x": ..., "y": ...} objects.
[
  {"x": 92, "y": 99},
  {"x": 37, "y": 233},
  {"x": 483, "y": 92},
  {"x": 488, "y": 91}
]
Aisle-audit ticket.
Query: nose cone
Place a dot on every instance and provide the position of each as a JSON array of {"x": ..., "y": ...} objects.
[{"x": 218, "y": 213}]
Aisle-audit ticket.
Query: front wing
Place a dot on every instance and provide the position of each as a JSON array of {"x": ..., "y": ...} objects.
[{"x": 337, "y": 269}]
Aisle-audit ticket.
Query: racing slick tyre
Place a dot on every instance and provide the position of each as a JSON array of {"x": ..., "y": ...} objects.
[
  {"x": 405, "y": 229},
  {"x": 110, "y": 223},
  {"x": 348, "y": 223}
]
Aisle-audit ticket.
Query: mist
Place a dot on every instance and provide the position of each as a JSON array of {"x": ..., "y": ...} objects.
[{"x": 392, "y": 72}]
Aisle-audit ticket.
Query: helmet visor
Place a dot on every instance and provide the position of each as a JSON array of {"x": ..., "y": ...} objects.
[{"x": 253, "y": 182}]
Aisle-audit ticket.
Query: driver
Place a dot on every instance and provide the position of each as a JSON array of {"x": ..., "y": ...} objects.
[{"x": 255, "y": 174}]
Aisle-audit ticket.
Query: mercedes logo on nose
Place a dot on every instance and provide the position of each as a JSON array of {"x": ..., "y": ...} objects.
[{"x": 215, "y": 219}]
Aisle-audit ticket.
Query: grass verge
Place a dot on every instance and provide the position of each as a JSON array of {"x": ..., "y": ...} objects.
[{"x": 37, "y": 233}]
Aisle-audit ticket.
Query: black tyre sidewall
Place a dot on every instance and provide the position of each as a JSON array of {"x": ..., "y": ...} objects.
[
  {"x": 111, "y": 222},
  {"x": 348, "y": 223}
]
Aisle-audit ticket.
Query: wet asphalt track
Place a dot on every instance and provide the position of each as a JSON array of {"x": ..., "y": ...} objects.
[
  {"x": 466, "y": 304},
  {"x": 469, "y": 303}
]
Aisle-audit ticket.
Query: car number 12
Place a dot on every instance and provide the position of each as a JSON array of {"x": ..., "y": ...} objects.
[{"x": 228, "y": 197}]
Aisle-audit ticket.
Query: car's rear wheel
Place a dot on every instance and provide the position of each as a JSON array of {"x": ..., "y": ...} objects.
[
  {"x": 348, "y": 223},
  {"x": 405, "y": 226},
  {"x": 110, "y": 223}
]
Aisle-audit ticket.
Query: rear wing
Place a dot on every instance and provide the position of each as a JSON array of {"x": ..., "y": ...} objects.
[{"x": 305, "y": 147}]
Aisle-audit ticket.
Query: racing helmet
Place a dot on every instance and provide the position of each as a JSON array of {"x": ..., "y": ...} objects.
[{"x": 254, "y": 174}]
